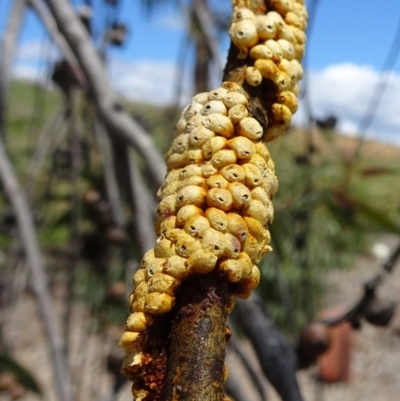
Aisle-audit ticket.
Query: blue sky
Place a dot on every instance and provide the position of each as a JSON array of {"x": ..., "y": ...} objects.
[{"x": 349, "y": 41}]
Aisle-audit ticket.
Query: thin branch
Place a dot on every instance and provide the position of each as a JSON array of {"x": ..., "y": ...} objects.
[
  {"x": 276, "y": 355},
  {"x": 48, "y": 21},
  {"x": 113, "y": 193},
  {"x": 39, "y": 280},
  {"x": 357, "y": 312},
  {"x": 116, "y": 119},
  {"x": 7, "y": 52},
  {"x": 143, "y": 204},
  {"x": 204, "y": 18}
]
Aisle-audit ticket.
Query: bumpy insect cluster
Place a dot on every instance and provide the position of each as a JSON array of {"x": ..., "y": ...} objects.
[
  {"x": 215, "y": 205},
  {"x": 275, "y": 44}
]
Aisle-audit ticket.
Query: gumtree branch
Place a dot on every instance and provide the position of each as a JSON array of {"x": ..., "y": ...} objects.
[
  {"x": 276, "y": 355},
  {"x": 7, "y": 52},
  {"x": 115, "y": 117},
  {"x": 33, "y": 256}
]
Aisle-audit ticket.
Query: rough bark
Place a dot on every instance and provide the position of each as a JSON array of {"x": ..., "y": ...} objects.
[{"x": 197, "y": 341}]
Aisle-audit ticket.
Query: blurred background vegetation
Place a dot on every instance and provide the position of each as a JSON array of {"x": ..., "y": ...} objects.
[{"x": 337, "y": 195}]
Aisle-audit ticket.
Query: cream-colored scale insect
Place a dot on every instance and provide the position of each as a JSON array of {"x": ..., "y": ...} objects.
[{"x": 215, "y": 205}]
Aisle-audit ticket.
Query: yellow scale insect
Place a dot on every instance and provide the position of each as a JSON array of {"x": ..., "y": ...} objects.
[{"x": 215, "y": 205}]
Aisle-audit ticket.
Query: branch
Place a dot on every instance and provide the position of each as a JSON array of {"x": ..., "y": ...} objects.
[
  {"x": 197, "y": 341},
  {"x": 143, "y": 205},
  {"x": 358, "y": 311},
  {"x": 39, "y": 279},
  {"x": 51, "y": 26},
  {"x": 276, "y": 355},
  {"x": 7, "y": 52},
  {"x": 116, "y": 119},
  {"x": 113, "y": 193}
]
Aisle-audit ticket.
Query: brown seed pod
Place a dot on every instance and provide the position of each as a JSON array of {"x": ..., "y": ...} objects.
[
  {"x": 199, "y": 136},
  {"x": 213, "y": 242},
  {"x": 232, "y": 269},
  {"x": 138, "y": 321},
  {"x": 219, "y": 124},
  {"x": 261, "y": 52},
  {"x": 186, "y": 245},
  {"x": 233, "y": 173},
  {"x": 253, "y": 175},
  {"x": 257, "y": 211},
  {"x": 232, "y": 99},
  {"x": 167, "y": 207},
  {"x": 213, "y": 107},
  {"x": 208, "y": 169},
  {"x": 191, "y": 195},
  {"x": 266, "y": 28},
  {"x": 217, "y": 94},
  {"x": 187, "y": 212},
  {"x": 281, "y": 114},
  {"x": 158, "y": 302},
  {"x": 161, "y": 282},
  {"x": 243, "y": 147},
  {"x": 202, "y": 262},
  {"x": 289, "y": 100},
  {"x": 217, "y": 181},
  {"x": 177, "y": 267},
  {"x": 217, "y": 219},
  {"x": 253, "y": 78},
  {"x": 250, "y": 128},
  {"x": 138, "y": 277},
  {"x": 240, "y": 194},
  {"x": 237, "y": 226},
  {"x": 213, "y": 145},
  {"x": 196, "y": 226},
  {"x": 255, "y": 228},
  {"x": 238, "y": 112},
  {"x": 164, "y": 248},
  {"x": 223, "y": 157},
  {"x": 232, "y": 246},
  {"x": 220, "y": 198},
  {"x": 244, "y": 35}
]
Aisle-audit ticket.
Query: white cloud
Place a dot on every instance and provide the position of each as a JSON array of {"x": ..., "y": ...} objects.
[
  {"x": 148, "y": 80},
  {"x": 344, "y": 90},
  {"x": 36, "y": 50}
]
